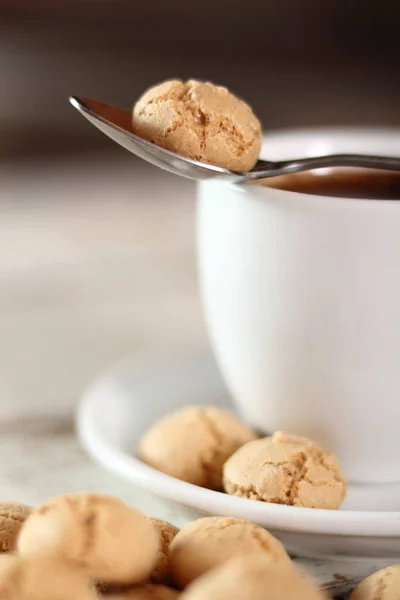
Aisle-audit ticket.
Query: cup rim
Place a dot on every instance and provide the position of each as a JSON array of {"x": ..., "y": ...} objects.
[{"x": 319, "y": 134}]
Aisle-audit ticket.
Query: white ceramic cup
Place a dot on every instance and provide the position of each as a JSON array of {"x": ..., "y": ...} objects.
[{"x": 302, "y": 300}]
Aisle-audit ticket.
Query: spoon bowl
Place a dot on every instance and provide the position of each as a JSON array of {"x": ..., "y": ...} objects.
[{"x": 116, "y": 123}]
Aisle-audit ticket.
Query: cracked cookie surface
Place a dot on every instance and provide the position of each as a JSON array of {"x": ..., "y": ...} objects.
[
  {"x": 382, "y": 585},
  {"x": 201, "y": 121},
  {"x": 194, "y": 443},
  {"x": 12, "y": 517},
  {"x": 212, "y": 541},
  {"x": 286, "y": 469},
  {"x": 167, "y": 532}
]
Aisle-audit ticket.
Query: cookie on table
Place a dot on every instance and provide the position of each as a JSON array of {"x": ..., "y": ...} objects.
[
  {"x": 212, "y": 541},
  {"x": 12, "y": 516},
  {"x": 253, "y": 578},
  {"x": 160, "y": 573},
  {"x": 96, "y": 533},
  {"x": 167, "y": 533},
  {"x": 41, "y": 577},
  {"x": 382, "y": 585}
]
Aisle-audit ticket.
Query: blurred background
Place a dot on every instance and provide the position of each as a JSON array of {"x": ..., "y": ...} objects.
[
  {"x": 298, "y": 62},
  {"x": 96, "y": 248}
]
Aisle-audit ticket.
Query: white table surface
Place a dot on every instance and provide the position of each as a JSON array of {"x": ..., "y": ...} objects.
[{"x": 96, "y": 262}]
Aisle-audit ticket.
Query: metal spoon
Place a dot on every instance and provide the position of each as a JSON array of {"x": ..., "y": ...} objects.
[{"x": 116, "y": 123}]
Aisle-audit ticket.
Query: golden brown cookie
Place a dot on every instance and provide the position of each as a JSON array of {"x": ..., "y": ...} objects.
[
  {"x": 193, "y": 444},
  {"x": 12, "y": 516},
  {"x": 382, "y": 585},
  {"x": 253, "y": 578},
  {"x": 42, "y": 578},
  {"x": 167, "y": 533},
  {"x": 199, "y": 120},
  {"x": 286, "y": 469},
  {"x": 212, "y": 541},
  {"x": 99, "y": 534}
]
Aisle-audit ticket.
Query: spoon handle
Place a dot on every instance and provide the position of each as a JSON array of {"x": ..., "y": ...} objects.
[{"x": 272, "y": 169}]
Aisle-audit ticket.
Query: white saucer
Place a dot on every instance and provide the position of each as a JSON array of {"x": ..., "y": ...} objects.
[{"x": 121, "y": 404}]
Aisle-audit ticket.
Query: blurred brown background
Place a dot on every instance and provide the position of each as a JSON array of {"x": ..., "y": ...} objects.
[{"x": 299, "y": 62}]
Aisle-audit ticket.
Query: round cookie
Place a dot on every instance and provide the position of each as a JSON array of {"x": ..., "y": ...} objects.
[
  {"x": 193, "y": 444},
  {"x": 382, "y": 585},
  {"x": 148, "y": 591},
  {"x": 167, "y": 533},
  {"x": 12, "y": 516},
  {"x": 255, "y": 578},
  {"x": 99, "y": 534},
  {"x": 41, "y": 578},
  {"x": 199, "y": 120},
  {"x": 286, "y": 469},
  {"x": 212, "y": 541}
]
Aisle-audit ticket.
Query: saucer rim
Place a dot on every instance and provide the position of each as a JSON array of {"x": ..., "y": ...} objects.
[{"x": 275, "y": 516}]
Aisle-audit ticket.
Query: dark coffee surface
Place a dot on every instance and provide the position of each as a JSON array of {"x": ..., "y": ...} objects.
[{"x": 377, "y": 185}]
